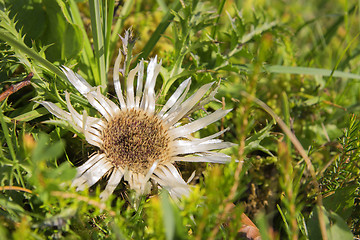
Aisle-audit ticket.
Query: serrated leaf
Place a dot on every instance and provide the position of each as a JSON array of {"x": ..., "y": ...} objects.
[
  {"x": 11, "y": 206},
  {"x": 253, "y": 142},
  {"x": 61, "y": 174},
  {"x": 44, "y": 152},
  {"x": 30, "y": 17}
]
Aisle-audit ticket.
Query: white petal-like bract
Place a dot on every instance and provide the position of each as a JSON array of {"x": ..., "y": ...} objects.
[{"x": 138, "y": 141}]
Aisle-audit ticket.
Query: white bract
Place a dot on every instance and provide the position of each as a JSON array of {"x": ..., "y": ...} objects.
[{"x": 138, "y": 142}]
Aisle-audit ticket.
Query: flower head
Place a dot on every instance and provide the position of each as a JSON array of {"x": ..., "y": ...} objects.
[{"x": 138, "y": 142}]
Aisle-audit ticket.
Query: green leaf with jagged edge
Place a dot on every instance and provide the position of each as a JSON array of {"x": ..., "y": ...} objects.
[
  {"x": 15, "y": 39},
  {"x": 46, "y": 176},
  {"x": 253, "y": 143},
  {"x": 30, "y": 17},
  {"x": 44, "y": 151},
  {"x": 44, "y": 22}
]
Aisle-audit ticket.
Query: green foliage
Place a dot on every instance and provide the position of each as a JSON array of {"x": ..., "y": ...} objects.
[
  {"x": 336, "y": 227},
  {"x": 64, "y": 40},
  {"x": 341, "y": 180},
  {"x": 345, "y": 169},
  {"x": 300, "y": 58}
]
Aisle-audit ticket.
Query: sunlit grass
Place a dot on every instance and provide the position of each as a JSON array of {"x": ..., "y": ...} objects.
[{"x": 289, "y": 70}]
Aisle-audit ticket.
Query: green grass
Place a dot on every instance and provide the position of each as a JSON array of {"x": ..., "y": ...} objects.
[{"x": 289, "y": 70}]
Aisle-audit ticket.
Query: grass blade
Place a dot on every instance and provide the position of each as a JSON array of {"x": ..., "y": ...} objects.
[
  {"x": 99, "y": 46},
  {"x": 310, "y": 71},
  {"x": 109, "y": 20},
  {"x": 10, "y": 146},
  {"x": 87, "y": 55},
  {"x": 165, "y": 22}
]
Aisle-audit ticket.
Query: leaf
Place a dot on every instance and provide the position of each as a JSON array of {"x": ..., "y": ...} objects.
[
  {"x": 168, "y": 216},
  {"x": 160, "y": 30},
  {"x": 30, "y": 115},
  {"x": 43, "y": 21},
  {"x": 249, "y": 228},
  {"x": 253, "y": 142},
  {"x": 61, "y": 174},
  {"x": 336, "y": 227},
  {"x": 44, "y": 152},
  {"x": 72, "y": 43},
  {"x": 30, "y": 17},
  {"x": 310, "y": 71},
  {"x": 264, "y": 228},
  {"x": 98, "y": 36},
  {"x": 67, "y": 38},
  {"x": 341, "y": 201},
  {"x": 258, "y": 31},
  {"x": 14, "y": 38},
  {"x": 3, "y": 232},
  {"x": 11, "y": 207},
  {"x": 171, "y": 217}
]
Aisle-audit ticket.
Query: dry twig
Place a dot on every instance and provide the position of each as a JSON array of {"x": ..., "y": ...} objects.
[{"x": 16, "y": 87}]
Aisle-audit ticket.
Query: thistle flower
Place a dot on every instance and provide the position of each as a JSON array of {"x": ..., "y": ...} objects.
[{"x": 138, "y": 142}]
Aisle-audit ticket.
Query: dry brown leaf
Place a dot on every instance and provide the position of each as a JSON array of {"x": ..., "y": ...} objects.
[{"x": 249, "y": 228}]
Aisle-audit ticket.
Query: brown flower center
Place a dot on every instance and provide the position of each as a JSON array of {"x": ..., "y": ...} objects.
[{"x": 135, "y": 139}]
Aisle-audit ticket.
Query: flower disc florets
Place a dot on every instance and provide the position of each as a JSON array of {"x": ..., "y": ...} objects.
[
  {"x": 135, "y": 139},
  {"x": 140, "y": 140}
]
